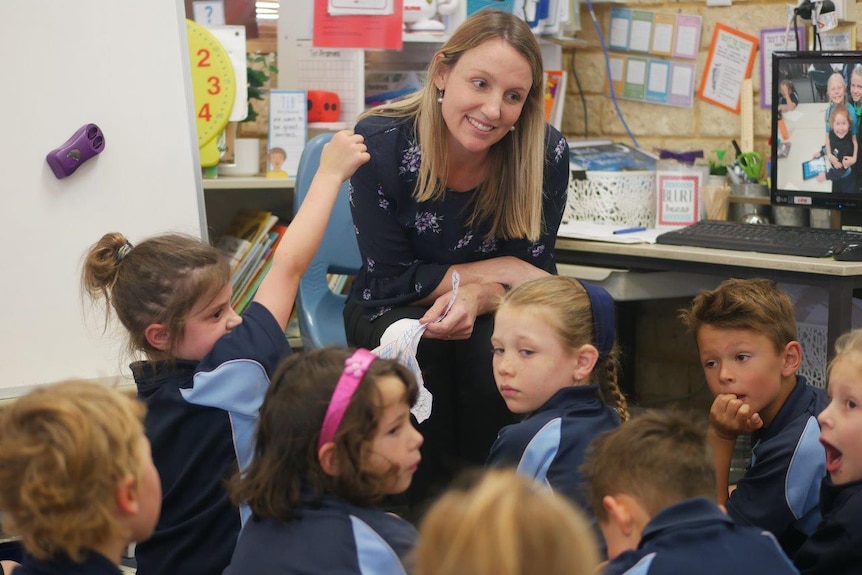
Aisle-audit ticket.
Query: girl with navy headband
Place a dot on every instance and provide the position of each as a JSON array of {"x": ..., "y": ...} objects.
[
  {"x": 555, "y": 362},
  {"x": 334, "y": 438}
]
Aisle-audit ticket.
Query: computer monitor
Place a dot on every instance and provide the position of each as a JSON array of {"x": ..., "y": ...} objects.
[{"x": 805, "y": 89}]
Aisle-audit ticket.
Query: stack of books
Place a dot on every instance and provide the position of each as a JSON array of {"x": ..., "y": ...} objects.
[{"x": 249, "y": 243}]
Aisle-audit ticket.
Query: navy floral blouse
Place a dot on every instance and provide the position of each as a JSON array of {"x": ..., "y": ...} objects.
[{"x": 407, "y": 246}]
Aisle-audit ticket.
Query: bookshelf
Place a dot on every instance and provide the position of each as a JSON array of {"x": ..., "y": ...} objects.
[
  {"x": 225, "y": 196},
  {"x": 247, "y": 183}
]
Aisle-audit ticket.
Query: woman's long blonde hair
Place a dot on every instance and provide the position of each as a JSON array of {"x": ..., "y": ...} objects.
[{"x": 511, "y": 196}]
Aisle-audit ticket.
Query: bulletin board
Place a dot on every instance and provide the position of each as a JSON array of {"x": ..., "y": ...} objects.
[{"x": 123, "y": 66}]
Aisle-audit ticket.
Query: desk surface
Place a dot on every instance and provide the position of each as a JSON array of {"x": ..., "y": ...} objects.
[
  {"x": 775, "y": 262},
  {"x": 839, "y": 279}
]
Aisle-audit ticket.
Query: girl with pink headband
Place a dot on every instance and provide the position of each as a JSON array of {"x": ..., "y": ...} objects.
[{"x": 334, "y": 438}]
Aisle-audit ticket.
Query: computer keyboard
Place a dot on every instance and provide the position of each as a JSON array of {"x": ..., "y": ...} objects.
[{"x": 766, "y": 238}]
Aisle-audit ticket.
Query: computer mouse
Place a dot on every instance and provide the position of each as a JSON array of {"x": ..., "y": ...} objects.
[{"x": 848, "y": 252}]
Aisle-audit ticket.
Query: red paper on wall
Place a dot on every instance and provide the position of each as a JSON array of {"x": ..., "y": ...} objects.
[{"x": 369, "y": 32}]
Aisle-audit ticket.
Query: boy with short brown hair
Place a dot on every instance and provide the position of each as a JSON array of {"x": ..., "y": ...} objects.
[
  {"x": 746, "y": 339},
  {"x": 77, "y": 481},
  {"x": 651, "y": 484}
]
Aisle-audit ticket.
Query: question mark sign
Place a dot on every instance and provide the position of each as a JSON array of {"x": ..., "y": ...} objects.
[{"x": 209, "y": 14}]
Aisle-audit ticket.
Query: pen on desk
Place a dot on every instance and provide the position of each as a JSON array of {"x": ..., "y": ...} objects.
[{"x": 630, "y": 230}]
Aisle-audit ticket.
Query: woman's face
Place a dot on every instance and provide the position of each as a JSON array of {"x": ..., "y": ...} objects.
[{"x": 485, "y": 92}]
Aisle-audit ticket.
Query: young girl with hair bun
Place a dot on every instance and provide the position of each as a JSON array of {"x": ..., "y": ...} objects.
[
  {"x": 203, "y": 369},
  {"x": 556, "y": 362},
  {"x": 334, "y": 438}
]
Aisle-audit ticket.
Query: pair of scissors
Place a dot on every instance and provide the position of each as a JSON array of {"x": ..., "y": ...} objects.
[{"x": 752, "y": 164}]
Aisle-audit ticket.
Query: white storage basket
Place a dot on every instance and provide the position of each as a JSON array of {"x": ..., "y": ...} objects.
[{"x": 620, "y": 198}]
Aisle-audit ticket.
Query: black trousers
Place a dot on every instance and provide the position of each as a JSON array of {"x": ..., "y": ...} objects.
[{"x": 467, "y": 410}]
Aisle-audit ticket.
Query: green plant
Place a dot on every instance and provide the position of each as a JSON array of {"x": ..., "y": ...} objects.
[{"x": 259, "y": 70}]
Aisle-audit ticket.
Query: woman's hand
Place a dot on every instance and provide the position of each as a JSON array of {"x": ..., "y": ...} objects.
[{"x": 471, "y": 301}]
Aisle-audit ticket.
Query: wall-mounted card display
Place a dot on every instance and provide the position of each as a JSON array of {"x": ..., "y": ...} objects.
[
  {"x": 635, "y": 82},
  {"x": 621, "y": 23},
  {"x": 662, "y": 33},
  {"x": 653, "y": 80},
  {"x": 641, "y": 31},
  {"x": 687, "y": 36},
  {"x": 618, "y": 67},
  {"x": 657, "y": 33},
  {"x": 658, "y": 78},
  {"x": 681, "y": 91}
]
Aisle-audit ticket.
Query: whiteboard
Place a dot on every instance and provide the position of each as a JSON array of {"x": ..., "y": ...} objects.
[{"x": 122, "y": 65}]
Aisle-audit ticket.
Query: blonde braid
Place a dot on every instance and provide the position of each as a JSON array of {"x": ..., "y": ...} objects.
[{"x": 610, "y": 388}]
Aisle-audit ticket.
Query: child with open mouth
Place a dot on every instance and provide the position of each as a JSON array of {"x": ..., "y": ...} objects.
[{"x": 836, "y": 545}]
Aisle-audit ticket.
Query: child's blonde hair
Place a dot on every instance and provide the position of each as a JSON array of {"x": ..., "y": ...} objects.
[
  {"x": 658, "y": 457},
  {"x": 752, "y": 304},
  {"x": 64, "y": 450},
  {"x": 847, "y": 345},
  {"x": 504, "y": 524},
  {"x": 571, "y": 313},
  {"x": 286, "y": 462},
  {"x": 160, "y": 280}
]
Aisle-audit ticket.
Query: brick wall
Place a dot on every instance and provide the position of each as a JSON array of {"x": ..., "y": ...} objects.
[{"x": 702, "y": 127}]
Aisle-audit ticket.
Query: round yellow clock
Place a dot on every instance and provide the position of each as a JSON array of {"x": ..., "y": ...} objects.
[{"x": 214, "y": 87}]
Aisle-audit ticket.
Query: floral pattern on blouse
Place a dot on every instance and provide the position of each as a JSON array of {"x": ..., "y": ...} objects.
[{"x": 407, "y": 246}]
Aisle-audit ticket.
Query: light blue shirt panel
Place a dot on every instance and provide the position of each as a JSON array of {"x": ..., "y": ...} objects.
[
  {"x": 237, "y": 387},
  {"x": 541, "y": 451},
  {"x": 641, "y": 567},
  {"x": 806, "y": 471},
  {"x": 375, "y": 555}
]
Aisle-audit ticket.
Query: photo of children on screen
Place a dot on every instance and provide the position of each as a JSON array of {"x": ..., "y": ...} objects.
[{"x": 841, "y": 152}]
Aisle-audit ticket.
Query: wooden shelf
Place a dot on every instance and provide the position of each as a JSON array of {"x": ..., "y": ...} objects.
[{"x": 247, "y": 183}]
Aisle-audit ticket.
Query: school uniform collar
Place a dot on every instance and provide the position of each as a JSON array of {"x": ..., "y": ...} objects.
[
  {"x": 568, "y": 395},
  {"x": 835, "y": 496},
  {"x": 797, "y": 402},
  {"x": 93, "y": 564},
  {"x": 680, "y": 515},
  {"x": 151, "y": 375}
]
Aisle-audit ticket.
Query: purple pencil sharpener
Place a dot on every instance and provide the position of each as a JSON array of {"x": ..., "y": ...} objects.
[{"x": 83, "y": 145}]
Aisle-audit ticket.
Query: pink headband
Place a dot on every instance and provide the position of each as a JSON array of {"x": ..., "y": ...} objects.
[{"x": 355, "y": 367}]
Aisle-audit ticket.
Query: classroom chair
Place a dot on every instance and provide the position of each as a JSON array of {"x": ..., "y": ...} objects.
[
  {"x": 319, "y": 309},
  {"x": 819, "y": 84}
]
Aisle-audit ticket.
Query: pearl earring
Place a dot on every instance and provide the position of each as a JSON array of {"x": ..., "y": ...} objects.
[
  {"x": 440, "y": 96},
  {"x": 512, "y": 129}
]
